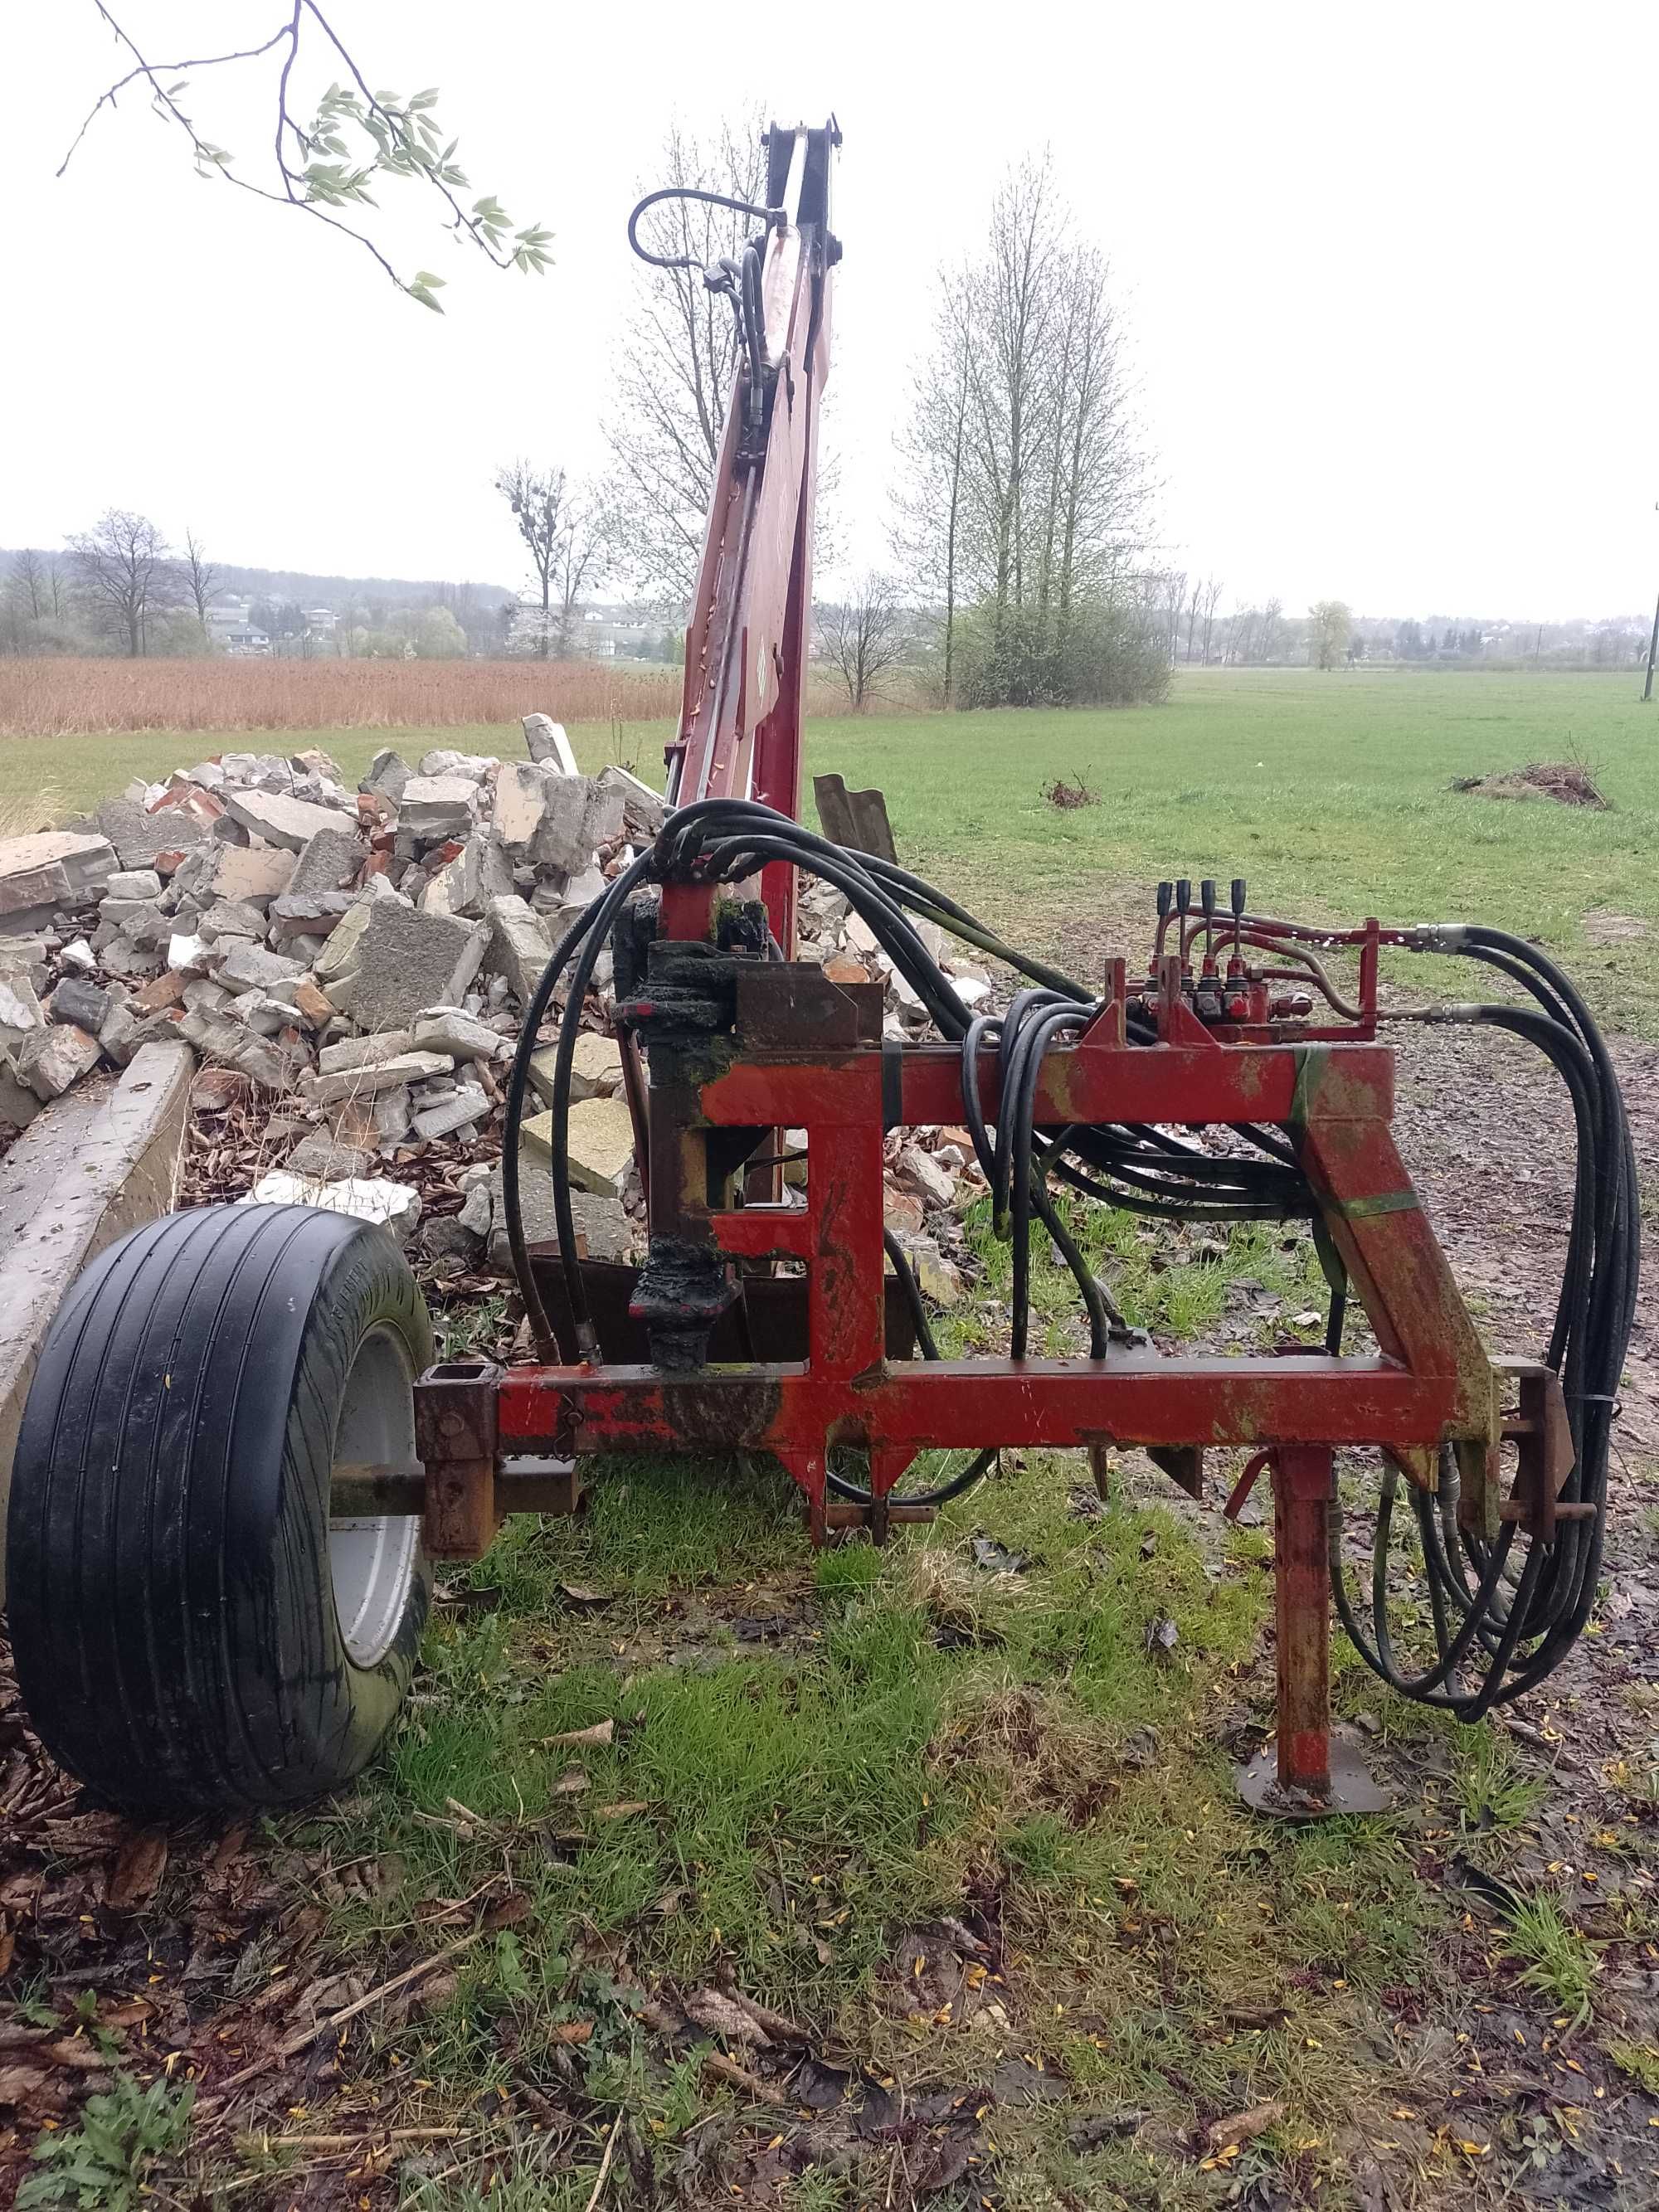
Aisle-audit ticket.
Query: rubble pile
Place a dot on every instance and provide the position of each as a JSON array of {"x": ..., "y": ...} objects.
[{"x": 350, "y": 967}]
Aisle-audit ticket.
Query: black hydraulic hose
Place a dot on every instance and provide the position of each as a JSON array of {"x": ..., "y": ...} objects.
[
  {"x": 769, "y": 216},
  {"x": 1497, "y": 1630},
  {"x": 1525, "y": 1633},
  {"x": 982, "y": 1461},
  {"x": 589, "y": 930}
]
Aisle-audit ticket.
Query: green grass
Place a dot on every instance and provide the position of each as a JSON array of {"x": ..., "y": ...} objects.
[
  {"x": 792, "y": 1806},
  {"x": 912, "y": 1733},
  {"x": 1328, "y": 793},
  {"x": 1556, "y": 1959}
]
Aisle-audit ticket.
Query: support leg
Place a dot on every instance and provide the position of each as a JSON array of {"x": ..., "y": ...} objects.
[
  {"x": 1303, "y": 1775},
  {"x": 1302, "y": 1491}
]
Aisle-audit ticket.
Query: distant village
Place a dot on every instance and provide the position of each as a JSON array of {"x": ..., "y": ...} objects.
[{"x": 245, "y": 627}]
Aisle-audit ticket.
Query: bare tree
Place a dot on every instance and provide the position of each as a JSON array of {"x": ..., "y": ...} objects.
[
  {"x": 201, "y": 578},
  {"x": 929, "y": 534},
  {"x": 1192, "y": 604},
  {"x": 1212, "y": 593},
  {"x": 26, "y": 586},
  {"x": 125, "y": 574},
  {"x": 563, "y": 531},
  {"x": 1175, "y": 601},
  {"x": 1021, "y": 458},
  {"x": 865, "y": 638},
  {"x": 677, "y": 361}
]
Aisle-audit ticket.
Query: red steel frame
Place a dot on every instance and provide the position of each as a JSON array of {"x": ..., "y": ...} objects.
[{"x": 1429, "y": 1382}]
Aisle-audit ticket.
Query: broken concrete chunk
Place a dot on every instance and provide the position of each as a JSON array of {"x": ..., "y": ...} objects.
[
  {"x": 481, "y": 873},
  {"x": 266, "y": 1062},
  {"x": 385, "y": 1075},
  {"x": 438, "y": 806},
  {"x": 644, "y": 811},
  {"x": 390, "y": 1205},
  {"x": 406, "y": 961},
  {"x": 520, "y": 805},
  {"x": 938, "y": 1279},
  {"x": 85, "y": 857},
  {"x": 600, "y": 1147},
  {"x": 578, "y": 815},
  {"x": 477, "y": 1213},
  {"x": 330, "y": 862},
  {"x": 125, "y": 960},
  {"x": 918, "y": 1171},
  {"x": 388, "y": 775},
  {"x": 132, "y": 883},
  {"x": 467, "y": 1104},
  {"x": 338, "y": 954},
  {"x": 547, "y": 742},
  {"x": 49, "y": 1059},
  {"x": 595, "y": 1071},
  {"x": 450, "y": 1238},
  {"x": 364, "y": 1052},
  {"x": 323, "y": 1155},
  {"x": 314, "y": 915},
  {"x": 19, "y": 1006},
  {"x": 80, "y": 1002},
  {"x": 138, "y": 835},
  {"x": 446, "y": 1029},
  {"x": 600, "y": 1222},
  {"x": 231, "y": 918},
  {"x": 257, "y": 873},
  {"x": 520, "y": 946},
  {"x": 251, "y": 968},
  {"x": 388, "y": 1114},
  {"x": 125, "y": 1030},
  {"x": 31, "y": 891},
  {"x": 280, "y": 820}
]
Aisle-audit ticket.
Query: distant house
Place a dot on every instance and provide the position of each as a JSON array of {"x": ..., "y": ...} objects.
[
  {"x": 320, "y": 622},
  {"x": 245, "y": 643},
  {"x": 226, "y": 611}
]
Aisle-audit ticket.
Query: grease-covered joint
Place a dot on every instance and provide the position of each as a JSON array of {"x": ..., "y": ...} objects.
[
  {"x": 1436, "y": 937},
  {"x": 683, "y": 1289}
]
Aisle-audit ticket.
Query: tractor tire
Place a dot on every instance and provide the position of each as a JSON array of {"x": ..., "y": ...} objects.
[{"x": 190, "y": 1629}]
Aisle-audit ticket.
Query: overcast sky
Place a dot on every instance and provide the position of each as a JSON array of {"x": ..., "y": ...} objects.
[{"x": 1390, "y": 272}]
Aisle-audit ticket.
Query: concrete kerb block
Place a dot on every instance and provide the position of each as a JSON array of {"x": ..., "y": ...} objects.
[{"x": 99, "y": 1161}]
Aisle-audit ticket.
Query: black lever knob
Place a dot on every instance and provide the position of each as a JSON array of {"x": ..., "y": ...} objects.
[{"x": 1239, "y": 889}]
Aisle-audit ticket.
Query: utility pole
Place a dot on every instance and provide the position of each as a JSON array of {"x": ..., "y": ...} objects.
[{"x": 1653, "y": 649}]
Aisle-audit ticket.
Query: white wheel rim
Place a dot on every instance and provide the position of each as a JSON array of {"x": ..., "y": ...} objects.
[{"x": 372, "y": 1561}]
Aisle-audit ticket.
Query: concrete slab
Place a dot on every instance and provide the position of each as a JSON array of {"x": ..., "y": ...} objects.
[{"x": 102, "y": 1159}]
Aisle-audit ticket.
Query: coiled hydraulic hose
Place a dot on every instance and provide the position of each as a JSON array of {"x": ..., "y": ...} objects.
[{"x": 1511, "y": 1625}]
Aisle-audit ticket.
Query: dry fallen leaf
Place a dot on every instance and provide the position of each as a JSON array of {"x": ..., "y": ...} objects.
[
  {"x": 1239, "y": 2127},
  {"x": 722, "y": 2015},
  {"x": 138, "y": 1871},
  {"x": 571, "y": 2031},
  {"x": 601, "y": 1732}
]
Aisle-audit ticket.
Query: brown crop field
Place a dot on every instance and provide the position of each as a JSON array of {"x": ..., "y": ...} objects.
[{"x": 53, "y": 698}]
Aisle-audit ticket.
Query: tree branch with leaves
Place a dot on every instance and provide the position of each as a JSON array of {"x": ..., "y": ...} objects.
[{"x": 354, "y": 138}]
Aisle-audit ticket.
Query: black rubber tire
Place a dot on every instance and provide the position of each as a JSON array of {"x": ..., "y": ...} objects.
[{"x": 172, "y": 1605}]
